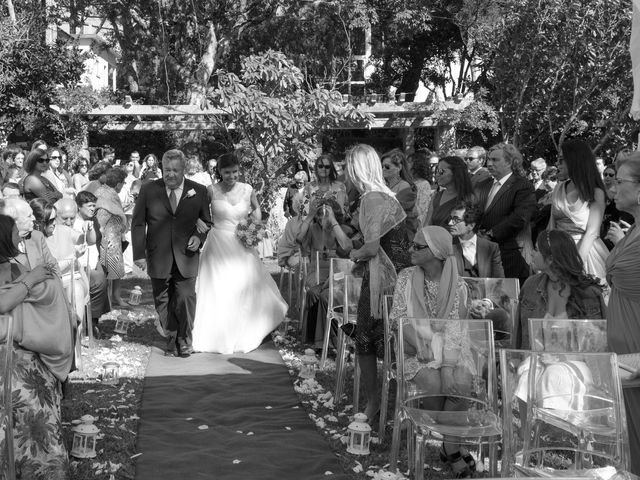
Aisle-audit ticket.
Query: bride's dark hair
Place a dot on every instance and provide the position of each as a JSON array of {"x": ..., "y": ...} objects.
[{"x": 228, "y": 160}]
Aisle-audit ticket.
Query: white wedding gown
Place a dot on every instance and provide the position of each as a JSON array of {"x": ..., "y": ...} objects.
[{"x": 238, "y": 301}]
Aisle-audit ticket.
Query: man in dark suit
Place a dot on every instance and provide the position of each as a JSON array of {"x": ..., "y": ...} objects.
[
  {"x": 475, "y": 159},
  {"x": 477, "y": 256},
  {"x": 509, "y": 201},
  {"x": 167, "y": 244}
]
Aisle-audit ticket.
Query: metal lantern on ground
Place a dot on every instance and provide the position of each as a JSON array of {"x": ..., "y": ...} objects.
[
  {"x": 359, "y": 435},
  {"x": 135, "y": 295},
  {"x": 110, "y": 373},
  {"x": 84, "y": 438},
  {"x": 309, "y": 364},
  {"x": 122, "y": 324}
]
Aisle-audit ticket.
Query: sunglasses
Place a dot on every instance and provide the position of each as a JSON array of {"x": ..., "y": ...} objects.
[
  {"x": 609, "y": 175},
  {"x": 417, "y": 247},
  {"x": 55, "y": 156},
  {"x": 326, "y": 167},
  {"x": 441, "y": 171},
  {"x": 43, "y": 160}
]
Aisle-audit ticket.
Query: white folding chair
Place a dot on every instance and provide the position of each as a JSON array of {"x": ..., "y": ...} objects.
[
  {"x": 7, "y": 406},
  {"x": 388, "y": 365}
]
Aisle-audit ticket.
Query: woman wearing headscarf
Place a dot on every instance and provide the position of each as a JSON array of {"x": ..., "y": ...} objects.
[
  {"x": 384, "y": 253},
  {"x": 433, "y": 289}
]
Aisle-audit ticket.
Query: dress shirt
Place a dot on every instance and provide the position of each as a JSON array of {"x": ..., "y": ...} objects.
[
  {"x": 178, "y": 191},
  {"x": 469, "y": 249},
  {"x": 497, "y": 185}
]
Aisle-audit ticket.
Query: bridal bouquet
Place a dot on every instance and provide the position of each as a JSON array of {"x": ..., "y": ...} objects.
[{"x": 250, "y": 232}]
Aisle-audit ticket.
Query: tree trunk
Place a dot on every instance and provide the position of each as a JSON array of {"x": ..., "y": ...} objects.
[
  {"x": 411, "y": 77},
  {"x": 198, "y": 85},
  {"x": 12, "y": 12}
]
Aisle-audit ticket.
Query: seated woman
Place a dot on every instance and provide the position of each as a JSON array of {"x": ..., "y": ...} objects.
[
  {"x": 433, "y": 289},
  {"x": 42, "y": 354},
  {"x": 561, "y": 290},
  {"x": 322, "y": 232},
  {"x": 326, "y": 186},
  {"x": 397, "y": 176}
]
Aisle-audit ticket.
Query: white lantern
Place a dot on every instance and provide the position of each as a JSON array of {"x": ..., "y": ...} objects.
[
  {"x": 359, "y": 435},
  {"x": 84, "y": 438},
  {"x": 122, "y": 324},
  {"x": 135, "y": 295},
  {"x": 110, "y": 373},
  {"x": 309, "y": 364}
]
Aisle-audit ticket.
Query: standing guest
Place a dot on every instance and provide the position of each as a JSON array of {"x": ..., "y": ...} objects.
[
  {"x": 97, "y": 176},
  {"x": 509, "y": 201},
  {"x": 577, "y": 204},
  {"x": 611, "y": 213},
  {"x": 11, "y": 190},
  {"x": 433, "y": 164},
  {"x": 150, "y": 169},
  {"x": 11, "y": 155},
  {"x": 108, "y": 154},
  {"x": 134, "y": 159},
  {"x": 326, "y": 184},
  {"x": 212, "y": 170},
  {"x": 42, "y": 359},
  {"x": 561, "y": 290},
  {"x": 384, "y": 253},
  {"x": 421, "y": 173},
  {"x": 294, "y": 195},
  {"x": 35, "y": 184},
  {"x": 475, "y": 159},
  {"x": 477, "y": 256},
  {"x": 398, "y": 178},
  {"x": 536, "y": 169},
  {"x": 13, "y": 175},
  {"x": 194, "y": 172},
  {"x": 125, "y": 193},
  {"x": 57, "y": 173},
  {"x": 111, "y": 225},
  {"x": 540, "y": 218},
  {"x": 454, "y": 188},
  {"x": 623, "y": 267},
  {"x": 80, "y": 178}
]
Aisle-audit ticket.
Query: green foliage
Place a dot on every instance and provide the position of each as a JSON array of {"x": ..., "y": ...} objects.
[
  {"x": 561, "y": 69},
  {"x": 275, "y": 119}
]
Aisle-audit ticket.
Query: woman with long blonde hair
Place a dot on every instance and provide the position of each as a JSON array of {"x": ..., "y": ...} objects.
[{"x": 384, "y": 253}]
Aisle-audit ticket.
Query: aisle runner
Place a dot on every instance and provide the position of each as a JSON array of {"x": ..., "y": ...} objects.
[{"x": 247, "y": 402}]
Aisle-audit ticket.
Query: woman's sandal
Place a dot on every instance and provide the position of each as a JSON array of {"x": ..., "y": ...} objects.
[{"x": 463, "y": 466}]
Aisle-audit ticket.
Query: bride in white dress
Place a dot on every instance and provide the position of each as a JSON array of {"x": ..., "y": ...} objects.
[{"x": 238, "y": 301}]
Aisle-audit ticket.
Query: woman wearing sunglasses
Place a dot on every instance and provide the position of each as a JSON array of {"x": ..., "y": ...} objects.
[
  {"x": 57, "y": 173},
  {"x": 326, "y": 185},
  {"x": 36, "y": 185}
]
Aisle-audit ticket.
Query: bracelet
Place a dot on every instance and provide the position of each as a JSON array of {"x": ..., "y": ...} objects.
[{"x": 26, "y": 286}]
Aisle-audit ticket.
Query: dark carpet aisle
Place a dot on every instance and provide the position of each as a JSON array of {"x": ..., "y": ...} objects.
[{"x": 227, "y": 417}]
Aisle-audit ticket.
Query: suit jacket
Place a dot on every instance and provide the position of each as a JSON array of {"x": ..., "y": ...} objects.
[
  {"x": 488, "y": 260},
  {"x": 479, "y": 177},
  {"x": 509, "y": 212},
  {"x": 37, "y": 253},
  {"x": 161, "y": 235}
]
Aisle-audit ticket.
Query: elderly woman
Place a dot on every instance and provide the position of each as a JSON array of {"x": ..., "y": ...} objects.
[
  {"x": 384, "y": 253},
  {"x": 42, "y": 354},
  {"x": 561, "y": 290},
  {"x": 111, "y": 227},
  {"x": 454, "y": 181},
  {"x": 35, "y": 184},
  {"x": 433, "y": 289},
  {"x": 623, "y": 267}
]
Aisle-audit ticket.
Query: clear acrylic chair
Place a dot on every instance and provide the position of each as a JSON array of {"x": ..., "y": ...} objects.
[
  {"x": 388, "y": 364},
  {"x": 338, "y": 268},
  {"x": 567, "y": 335},
  {"x": 503, "y": 294},
  {"x": 351, "y": 288},
  {"x": 473, "y": 417},
  {"x": 6, "y": 407},
  {"x": 566, "y": 418}
]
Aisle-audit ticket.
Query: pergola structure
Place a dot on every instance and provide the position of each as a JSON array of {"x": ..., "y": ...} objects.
[{"x": 405, "y": 117}]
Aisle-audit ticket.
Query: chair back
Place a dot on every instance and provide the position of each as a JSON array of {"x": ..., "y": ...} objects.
[
  {"x": 6, "y": 408},
  {"x": 503, "y": 294},
  {"x": 567, "y": 335},
  {"x": 568, "y": 415},
  {"x": 469, "y": 347},
  {"x": 339, "y": 270}
]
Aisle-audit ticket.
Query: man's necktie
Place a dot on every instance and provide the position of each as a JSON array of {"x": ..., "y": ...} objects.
[
  {"x": 492, "y": 193},
  {"x": 173, "y": 201}
]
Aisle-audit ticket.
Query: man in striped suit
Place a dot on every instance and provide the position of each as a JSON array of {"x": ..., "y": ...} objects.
[{"x": 509, "y": 201}]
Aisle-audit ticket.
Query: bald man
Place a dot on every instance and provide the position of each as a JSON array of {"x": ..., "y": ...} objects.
[{"x": 67, "y": 211}]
